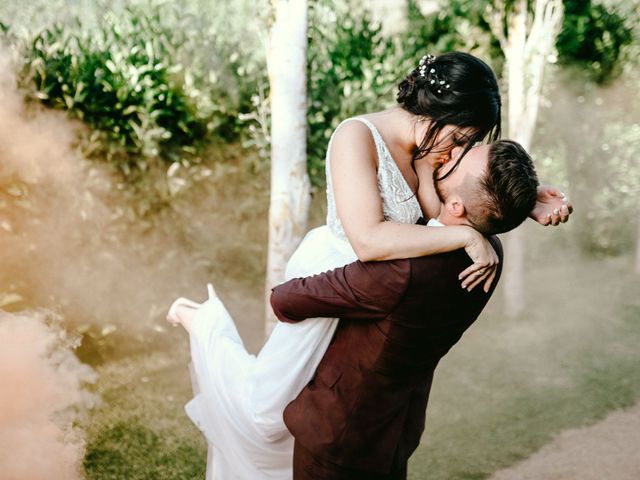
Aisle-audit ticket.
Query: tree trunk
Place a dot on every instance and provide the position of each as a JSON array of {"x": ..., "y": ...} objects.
[
  {"x": 514, "y": 249},
  {"x": 290, "y": 191},
  {"x": 526, "y": 54},
  {"x": 637, "y": 269}
]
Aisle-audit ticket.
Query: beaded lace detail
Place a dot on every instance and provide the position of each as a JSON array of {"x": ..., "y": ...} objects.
[{"x": 399, "y": 203}]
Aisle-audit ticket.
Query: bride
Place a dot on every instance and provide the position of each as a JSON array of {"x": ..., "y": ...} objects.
[{"x": 380, "y": 169}]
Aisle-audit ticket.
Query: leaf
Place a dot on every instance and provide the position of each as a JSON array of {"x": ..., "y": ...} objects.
[
  {"x": 171, "y": 171},
  {"x": 108, "y": 330},
  {"x": 7, "y": 299},
  {"x": 68, "y": 100},
  {"x": 129, "y": 110},
  {"x": 111, "y": 66}
]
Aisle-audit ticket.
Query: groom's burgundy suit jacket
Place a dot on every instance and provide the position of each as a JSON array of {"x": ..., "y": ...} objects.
[{"x": 365, "y": 406}]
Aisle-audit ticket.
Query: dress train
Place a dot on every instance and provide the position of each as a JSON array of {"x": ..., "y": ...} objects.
[{"x": 239, "y": 397}]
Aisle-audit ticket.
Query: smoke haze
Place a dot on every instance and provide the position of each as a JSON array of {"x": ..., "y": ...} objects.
[
  {"x": 42, "y": 393},
  {"x": 66, "y": 243}
]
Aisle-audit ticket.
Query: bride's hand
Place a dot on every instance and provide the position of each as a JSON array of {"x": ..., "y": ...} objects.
[
  {"x": 485, "y": 262},
  {"x": 552, "y": 206}
]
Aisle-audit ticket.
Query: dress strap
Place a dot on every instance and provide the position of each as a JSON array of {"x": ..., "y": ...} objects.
[
  {"x": 374, "y": 130},
  {"x": 381, "y": 147}
]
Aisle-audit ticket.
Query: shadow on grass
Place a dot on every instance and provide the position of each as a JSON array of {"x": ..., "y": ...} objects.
[{"x": 132, "y": 451}]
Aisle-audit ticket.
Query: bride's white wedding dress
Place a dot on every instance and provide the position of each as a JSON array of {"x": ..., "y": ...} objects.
[{"x": 239, "y": 398}]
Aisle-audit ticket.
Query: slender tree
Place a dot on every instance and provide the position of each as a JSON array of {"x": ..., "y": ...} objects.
[
  {"x": 638, "y": 249},
  {"x": 524, "y": 35},
  {"x": 290, "y": 190},
  {"x": 527, "y": 32}
]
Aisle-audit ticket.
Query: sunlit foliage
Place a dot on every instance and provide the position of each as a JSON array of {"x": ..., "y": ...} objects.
[
  {"x": 145, "y": 79},
  {"x": 160, "y": 83}
]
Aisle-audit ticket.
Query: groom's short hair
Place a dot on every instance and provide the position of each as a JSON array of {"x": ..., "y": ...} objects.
[{"x": 504, "y": 198}]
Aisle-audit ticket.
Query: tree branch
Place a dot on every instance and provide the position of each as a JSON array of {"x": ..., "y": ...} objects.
[
  {"x": 495, "y": 17},
  {"x": 538, "y": 53},
  {"x": 536, "y": 26}
]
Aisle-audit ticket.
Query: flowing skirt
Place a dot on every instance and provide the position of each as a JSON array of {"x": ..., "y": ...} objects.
[{"x": 239, "y": 398}]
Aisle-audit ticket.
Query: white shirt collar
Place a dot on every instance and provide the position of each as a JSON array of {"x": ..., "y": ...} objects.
[{"x": 434, "y": 222}]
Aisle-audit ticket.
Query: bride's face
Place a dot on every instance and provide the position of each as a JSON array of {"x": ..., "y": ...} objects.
[
  {"x": 462, "y": 177},
  {"x": 448, "y": 138}
]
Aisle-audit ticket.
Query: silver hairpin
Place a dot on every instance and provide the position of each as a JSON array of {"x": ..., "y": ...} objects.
[{"x": 438, "y": 81}]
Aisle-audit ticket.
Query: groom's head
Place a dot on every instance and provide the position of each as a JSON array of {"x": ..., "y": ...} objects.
[{"x": 493, "y": 188}]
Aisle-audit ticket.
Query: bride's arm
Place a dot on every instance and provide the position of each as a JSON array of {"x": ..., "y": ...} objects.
[{"x": 359, "y": 206}]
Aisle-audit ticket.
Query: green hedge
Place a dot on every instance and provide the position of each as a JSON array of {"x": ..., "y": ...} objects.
[
  {"x": 129, "y": 82},
  {"x": 151, "y": 85}
]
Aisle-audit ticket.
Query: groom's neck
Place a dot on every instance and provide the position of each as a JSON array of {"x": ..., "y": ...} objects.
[{"x": 444, "y": 217}]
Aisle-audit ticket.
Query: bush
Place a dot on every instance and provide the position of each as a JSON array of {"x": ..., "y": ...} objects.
[
  {"x": 352, "y": 69},
  {"x": 145, "y": 81},
  {"x": 160, "y": 81},
  {"x": 594, "y": 36},
  {"x": 119, "y": 82},
  {"x": 612, "y": 210}
]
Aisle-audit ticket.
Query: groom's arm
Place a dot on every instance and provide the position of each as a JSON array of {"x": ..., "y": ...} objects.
[{"x": 367, "y": 290}]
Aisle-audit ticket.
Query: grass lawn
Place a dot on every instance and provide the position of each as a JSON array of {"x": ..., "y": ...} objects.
[
  {"x": 510, "y": 385},
  {"x": 141, "y": 431},
  {"x": 501, "y": 394}
]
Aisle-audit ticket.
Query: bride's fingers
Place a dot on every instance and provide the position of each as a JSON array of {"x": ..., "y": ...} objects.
[
  {"x": 485, "y": 275},
  {"x": 468, "y": 278},
  {"x": 552, "y": 218},
  {"x": 469, "y": 271},
  {"x": 479, "y": 279},
  {"x": 473, "y": 278},
  {"x": 489, "y": 281}
]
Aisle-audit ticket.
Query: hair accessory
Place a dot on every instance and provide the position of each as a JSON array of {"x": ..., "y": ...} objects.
[
  {"x": 438, "y": 81},
  {"x": 424, "y": 61}
]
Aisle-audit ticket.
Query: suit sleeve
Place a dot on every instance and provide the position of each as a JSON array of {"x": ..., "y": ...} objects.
[{"x": 360, "y": 290}]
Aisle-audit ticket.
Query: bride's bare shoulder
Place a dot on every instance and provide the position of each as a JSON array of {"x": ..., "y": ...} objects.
[{"x": 352, "y": 138}]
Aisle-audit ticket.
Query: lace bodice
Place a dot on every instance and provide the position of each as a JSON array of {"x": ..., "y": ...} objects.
[{"x": 399, "y": 203}]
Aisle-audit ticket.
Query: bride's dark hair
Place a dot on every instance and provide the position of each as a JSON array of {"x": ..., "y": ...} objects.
[{"x": 453, "y": 89}]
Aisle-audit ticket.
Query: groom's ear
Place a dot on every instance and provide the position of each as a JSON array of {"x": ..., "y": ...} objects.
[{"x": 455, "y": 207}]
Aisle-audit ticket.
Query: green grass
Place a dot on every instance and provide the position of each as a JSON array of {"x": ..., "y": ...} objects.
[
  {"x": 141, "y": 431},
  {"x": 511, "y": 385},
  {"x": 500, "y": 395}
]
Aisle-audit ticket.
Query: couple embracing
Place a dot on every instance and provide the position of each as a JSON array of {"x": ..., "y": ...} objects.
[{"x": 377, "y": 296}]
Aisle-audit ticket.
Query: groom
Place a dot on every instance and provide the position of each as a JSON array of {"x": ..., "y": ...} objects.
[{"x": 363, "y": 413}]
